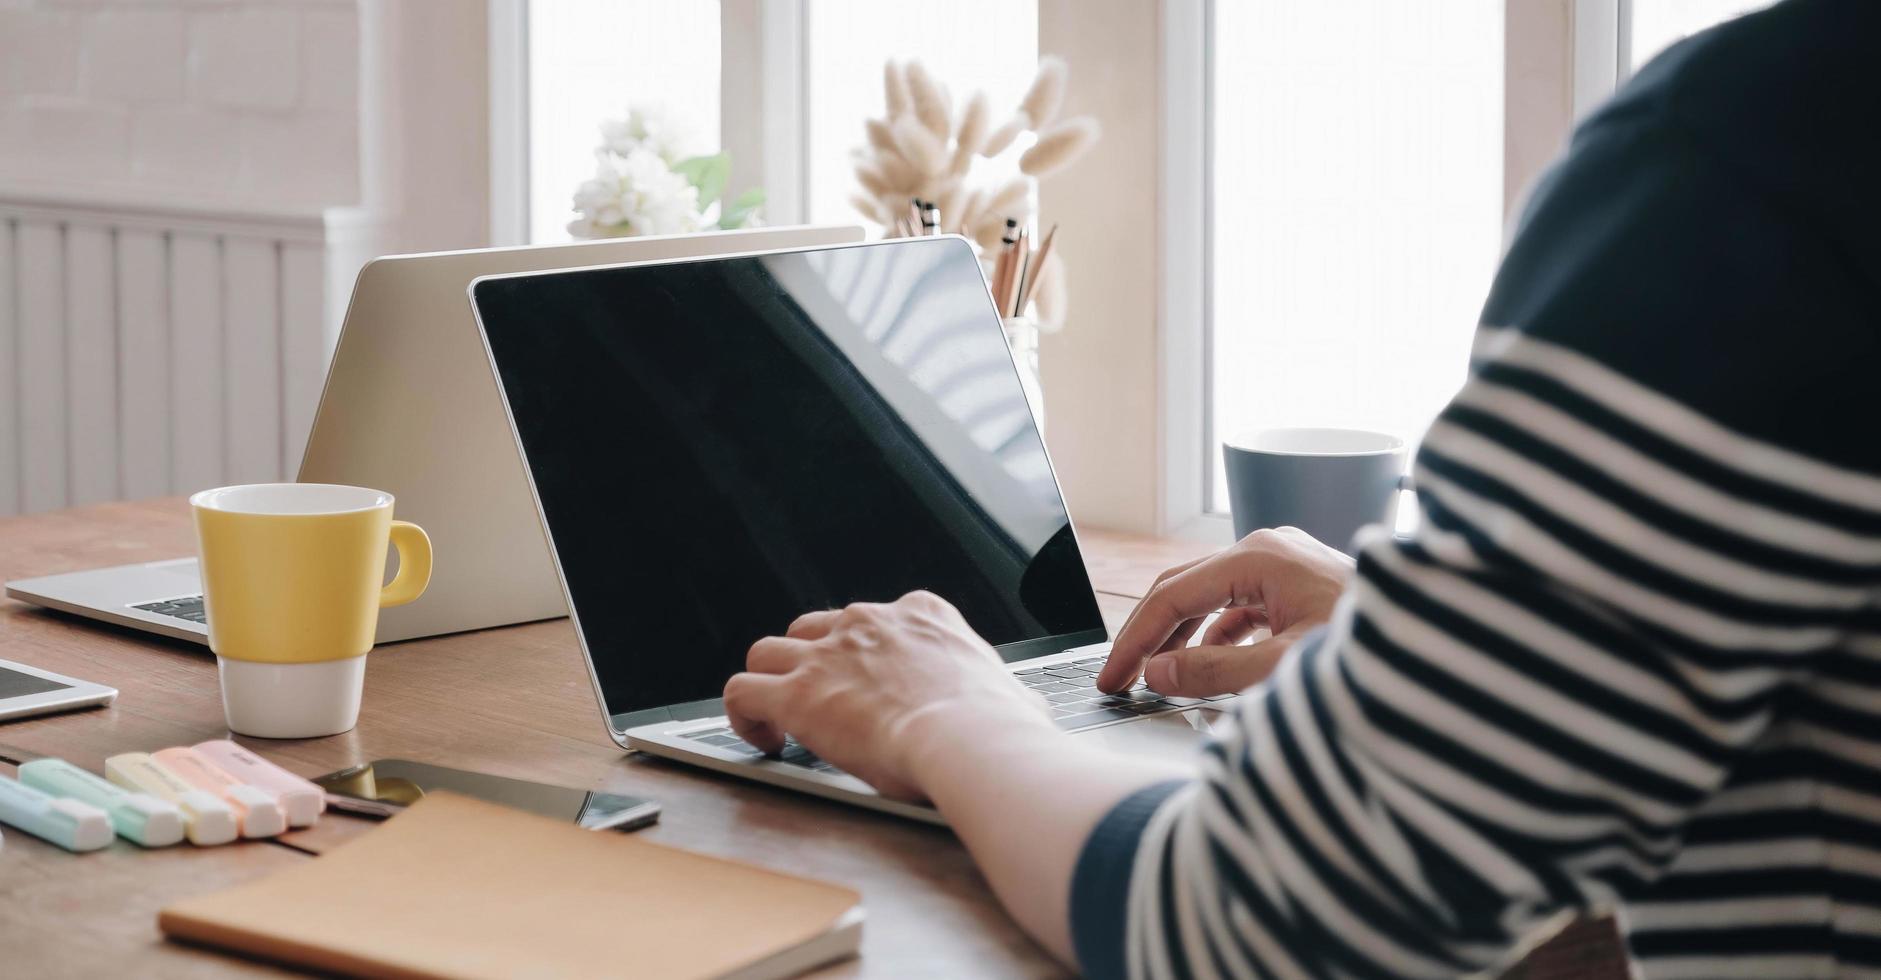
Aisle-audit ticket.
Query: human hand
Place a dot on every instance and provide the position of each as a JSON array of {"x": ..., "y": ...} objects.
[
  {"x": 1280, "y": 579},
  {"x": 873, "y": 687}
]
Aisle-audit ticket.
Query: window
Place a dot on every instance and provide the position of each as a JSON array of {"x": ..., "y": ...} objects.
[
  {"x": 972, "y": 45},
  {"x": 1656, "y": 24},
  {"x": 588, "y": 60},
  {"x": 1355, "y": 203}
]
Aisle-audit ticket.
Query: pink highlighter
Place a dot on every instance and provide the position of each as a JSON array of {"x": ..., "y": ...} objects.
[
  {"x": 256, "y": 810},
  {"x": 302, "y": 800}
]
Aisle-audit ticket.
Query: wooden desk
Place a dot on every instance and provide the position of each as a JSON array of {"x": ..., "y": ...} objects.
[{"x": 515, "y": 702}]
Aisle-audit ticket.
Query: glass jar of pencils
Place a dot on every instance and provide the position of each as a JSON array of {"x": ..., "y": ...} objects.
[{"x": 1022, "y": 337}]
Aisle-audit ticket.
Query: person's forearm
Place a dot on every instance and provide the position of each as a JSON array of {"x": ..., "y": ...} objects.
[{"x": 1024, "y": 802}]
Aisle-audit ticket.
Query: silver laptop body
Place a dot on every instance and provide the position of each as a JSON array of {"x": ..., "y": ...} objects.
[
  {"x": 1171, "y": 730},
  {"x": 661, "y": 411},
  {"x": 409, "y": 407}
]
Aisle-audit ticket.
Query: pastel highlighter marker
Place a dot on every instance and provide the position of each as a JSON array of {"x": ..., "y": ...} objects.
[
  {"x": 302, "y": 800},
  {"x": 137, "y": 817},
  {"x": 70, "y": 824},
  {"x": 257, "y": 811},
  {"x": 207, "y": 820}
]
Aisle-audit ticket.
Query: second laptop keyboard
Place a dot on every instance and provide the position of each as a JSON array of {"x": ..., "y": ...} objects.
[{"x": 188, "y": 607}]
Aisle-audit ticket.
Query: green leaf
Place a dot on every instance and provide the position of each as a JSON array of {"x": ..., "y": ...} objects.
[
  {"x": 708, "y": 174},
  {"x": 739, "y": 211}
]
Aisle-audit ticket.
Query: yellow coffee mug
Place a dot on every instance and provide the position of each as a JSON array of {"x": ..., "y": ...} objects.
[{"x": 291, "y": 577}]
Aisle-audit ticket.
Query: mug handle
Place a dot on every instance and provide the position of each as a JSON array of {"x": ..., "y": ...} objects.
[{"x": 414, "y": 565}]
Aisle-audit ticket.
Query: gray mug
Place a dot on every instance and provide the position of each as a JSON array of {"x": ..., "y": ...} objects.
[{"x": 1326, "y": 482}]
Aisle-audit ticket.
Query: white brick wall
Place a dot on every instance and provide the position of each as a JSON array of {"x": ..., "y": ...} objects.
[
  {"x": 38, "y": 51},
  {"x": 247, "y": 57},
  {"x": 135, "y": 56},
  {"x": 225, "y": 99}
]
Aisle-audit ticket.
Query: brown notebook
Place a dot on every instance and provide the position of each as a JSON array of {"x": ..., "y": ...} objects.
[{"x": 455, "y": 887}]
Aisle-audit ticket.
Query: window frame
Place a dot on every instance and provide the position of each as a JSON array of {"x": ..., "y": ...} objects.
[
  {"x": 763, "y": 90},
  {"x": 762, "y": 98},
  {"x": 509, "y": 121},
  {"x": 1184, "y": 246}
]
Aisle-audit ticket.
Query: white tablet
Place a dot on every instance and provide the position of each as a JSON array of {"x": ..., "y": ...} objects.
[{"x": 26, "y": 691}]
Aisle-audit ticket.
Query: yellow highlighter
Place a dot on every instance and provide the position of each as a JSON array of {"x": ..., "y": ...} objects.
[
  {"x": 257, "y": 811},
  {"x": 206, "y": 819}
]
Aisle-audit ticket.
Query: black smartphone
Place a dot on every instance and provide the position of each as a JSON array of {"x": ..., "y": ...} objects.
[{"x": 383, "y": 788}]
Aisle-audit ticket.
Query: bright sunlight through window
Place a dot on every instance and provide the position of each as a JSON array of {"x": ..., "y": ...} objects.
[
  {"x": 1658, "y": 24},
  {"x": 969, "y": 45},
  {"x": 590, "y": 60},
  {"x": 1357, "y": 210}
]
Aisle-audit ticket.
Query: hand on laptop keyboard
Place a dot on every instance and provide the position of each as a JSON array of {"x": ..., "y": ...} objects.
[
  {"x": 1282, "y": 580},
  {"x": 878, "y": 689},
  {"x": 1077, "y": 704},
  {"x": 1075, "y": 701}
]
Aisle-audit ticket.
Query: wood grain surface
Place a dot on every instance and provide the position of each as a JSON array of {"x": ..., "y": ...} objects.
[{"x": 514, "y": 702}]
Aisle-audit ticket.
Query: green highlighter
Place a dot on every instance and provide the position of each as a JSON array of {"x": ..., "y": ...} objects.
[
  {"x": 137, "y": 817},
  {"x": 69, "y": 824}
]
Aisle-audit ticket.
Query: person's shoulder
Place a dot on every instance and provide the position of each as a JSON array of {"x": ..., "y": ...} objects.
[
  {"x": 1710, "y": 233},
  {"x": 1787, "y": 93}
]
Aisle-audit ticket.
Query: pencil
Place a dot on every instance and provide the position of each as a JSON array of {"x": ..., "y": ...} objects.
[
  {"x": 1037, "y": 268},
  {"x": 1002, "y": 266},
  {"x": 1021, "y": 259}
]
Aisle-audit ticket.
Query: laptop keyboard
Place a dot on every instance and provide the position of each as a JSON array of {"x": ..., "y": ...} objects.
[
  {"x": 793, "y": 753},
  {"x": 189, "y": 607},
  {"x": 1070, "y": 688},
  {"x": 1077, "y": 704}
]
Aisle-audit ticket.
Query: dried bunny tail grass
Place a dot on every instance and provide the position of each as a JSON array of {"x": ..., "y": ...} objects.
[
  {"x": 1050, "y": 300},
  {"x": 958, "y": 166},
  {"x": 899, "y": 174},
  {"x": 974, "y": 121},
  {"x": 1059, "y": 146},
  {"x": 929, "y": 101},
  {"x": 1009, "y": 201},
  {"x": 988, "y": 231},
  {"x": 1047, "y": 93},
  {"x": 1005, "y": 134},
  {"x": 869, "y": 175},
  {"x": 972, "y": 134},
  {"x": 867, "y": 207},
  {"x": 880, "y": 136},
  {"x": 894, "y": 89},
  {"x": 946, "y": 195},
  {"x": 918, "y": 146},
  {"x": 961, "y": 220}
]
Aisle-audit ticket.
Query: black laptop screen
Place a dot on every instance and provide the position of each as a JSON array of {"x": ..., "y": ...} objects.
[{"x": 721, "y": 445}]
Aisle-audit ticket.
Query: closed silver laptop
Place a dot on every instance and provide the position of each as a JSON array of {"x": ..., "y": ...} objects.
[
  {"x": 720, "y": 444},
  {"x": 409, "y": 407}
]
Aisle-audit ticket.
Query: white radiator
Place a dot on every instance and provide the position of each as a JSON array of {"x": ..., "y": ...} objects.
[{"x": 153, "y": 349}]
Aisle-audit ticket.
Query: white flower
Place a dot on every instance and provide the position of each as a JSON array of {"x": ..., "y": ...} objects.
[
  {"x": 635, "y": 193},
  {"x": 648, "y": 128}
]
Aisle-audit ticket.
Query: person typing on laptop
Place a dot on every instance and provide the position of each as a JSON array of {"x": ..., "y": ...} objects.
[{"x": 1631, "y": 659}]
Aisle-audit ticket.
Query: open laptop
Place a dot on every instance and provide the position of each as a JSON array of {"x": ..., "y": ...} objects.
[
  {"x": 409, "y": 407},
  {"x": 718, "y": 445}
]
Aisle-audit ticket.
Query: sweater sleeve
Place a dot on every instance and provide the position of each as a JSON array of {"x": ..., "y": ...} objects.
[{"x": 1632, "y": 547}]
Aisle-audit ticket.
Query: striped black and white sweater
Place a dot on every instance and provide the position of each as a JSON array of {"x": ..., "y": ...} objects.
[{"x": 1632, "y": 659}]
